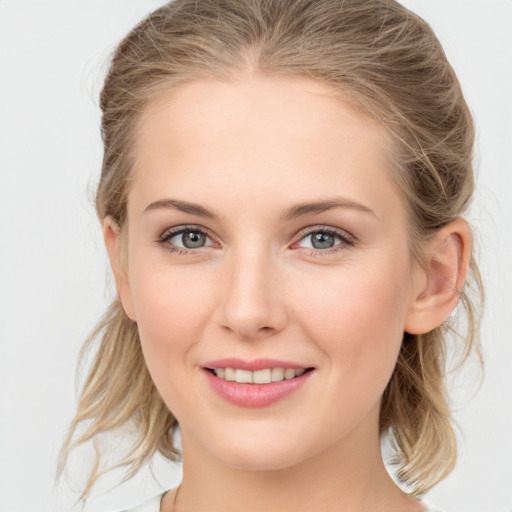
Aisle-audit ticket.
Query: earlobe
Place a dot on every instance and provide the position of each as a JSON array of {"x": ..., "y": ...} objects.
[
  {"x": 114, "y": 245},
  {"x": 437, "y": 289}
]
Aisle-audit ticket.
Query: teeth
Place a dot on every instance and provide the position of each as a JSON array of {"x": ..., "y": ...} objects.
[
  {"x": 265, "y": 376},
  {"x": 229, "y": 374},
  {"x": 243, "y": 376},
  {"x": 262, "y": 376},
  {"x": 277, "y": 374},
  {"x": 289, "y": 373}
]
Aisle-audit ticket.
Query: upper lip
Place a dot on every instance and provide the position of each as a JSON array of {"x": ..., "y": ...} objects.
[{"x": 253, "y": 365}]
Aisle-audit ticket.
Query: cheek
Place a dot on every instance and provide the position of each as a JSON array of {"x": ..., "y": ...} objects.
[
  {"x": 172, "y": 311},
  {"x": 172, "y": 307},
  {"x": 356, "y": 317}
]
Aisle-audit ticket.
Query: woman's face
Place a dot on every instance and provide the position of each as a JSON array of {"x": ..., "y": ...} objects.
[{"x": 263, "y": 226}]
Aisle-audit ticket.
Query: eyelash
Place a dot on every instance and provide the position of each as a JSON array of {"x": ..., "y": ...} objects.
[
  {"x": 347, "y": 240},
  {"x": 170, "y": 233}
]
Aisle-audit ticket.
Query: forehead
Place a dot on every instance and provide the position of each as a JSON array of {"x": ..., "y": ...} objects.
[
  {"x": 287, "y": 107},
  {"x": 255, "y": 136}
]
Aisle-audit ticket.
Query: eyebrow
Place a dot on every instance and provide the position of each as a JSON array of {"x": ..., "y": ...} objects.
[
  {"x": 298, "y": 210},
  {"x": 182, "y": 206},
  {"x": 315, "y": 207}
]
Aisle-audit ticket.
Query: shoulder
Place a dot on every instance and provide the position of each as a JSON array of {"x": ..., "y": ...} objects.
[{"x": 151, "y": 505}]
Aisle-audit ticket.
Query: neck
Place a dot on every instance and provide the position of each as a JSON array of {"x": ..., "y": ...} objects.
[{"x": 348, "y": 477}]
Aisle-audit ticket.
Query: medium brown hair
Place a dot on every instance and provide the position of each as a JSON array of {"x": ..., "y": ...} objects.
[{"x": 385, "y": 61}]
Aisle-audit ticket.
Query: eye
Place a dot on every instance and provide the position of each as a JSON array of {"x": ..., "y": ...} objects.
[
  {"x": 324, "y": 239},
  {"x": 183, "y": 239},
  {"x": 189, "y": 239}
]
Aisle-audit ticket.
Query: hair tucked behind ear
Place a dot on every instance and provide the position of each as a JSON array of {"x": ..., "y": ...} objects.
[{"x": 388, "y": 63}]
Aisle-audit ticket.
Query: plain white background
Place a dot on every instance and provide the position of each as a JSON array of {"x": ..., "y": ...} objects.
[{"x": 54, "y": 276}]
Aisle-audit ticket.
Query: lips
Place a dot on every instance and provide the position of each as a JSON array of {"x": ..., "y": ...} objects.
[
  {"x": 222, "y": 376},
  {"x": 255, "y": 364}
]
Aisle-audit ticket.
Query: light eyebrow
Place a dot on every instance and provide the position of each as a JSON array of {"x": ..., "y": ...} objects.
[
  {"x": 298, "y": 210},
  {"x": 315, "y": 207},
  {"x": 182, "y": 206}
]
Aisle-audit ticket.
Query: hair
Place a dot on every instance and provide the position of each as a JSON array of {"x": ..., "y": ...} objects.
[{"x": 386, "y": 62}]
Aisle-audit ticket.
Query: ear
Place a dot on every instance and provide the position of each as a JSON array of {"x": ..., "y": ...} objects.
[
  {"x": 437, "y": 287},
  {"x": 115, "y": 249}
]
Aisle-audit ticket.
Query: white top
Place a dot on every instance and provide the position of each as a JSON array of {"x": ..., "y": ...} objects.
[{"x": 153, "y": 505}]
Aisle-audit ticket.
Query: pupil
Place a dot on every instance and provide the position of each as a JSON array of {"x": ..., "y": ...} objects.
[
  {"x": 322, "y": 240},
  {"x": 193, "y": 239}
]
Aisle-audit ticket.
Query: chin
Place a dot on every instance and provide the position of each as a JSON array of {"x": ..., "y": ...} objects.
[
  {"x": 250, "y": 454},
  {"x": 257, "y": 461}
]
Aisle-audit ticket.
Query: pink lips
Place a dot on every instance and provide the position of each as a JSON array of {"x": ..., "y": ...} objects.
[
  {"x": 254, "y": 365},
  {"x": 253, "y": 395}
]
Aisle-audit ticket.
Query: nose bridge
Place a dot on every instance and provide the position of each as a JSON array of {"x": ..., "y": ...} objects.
[{"x": 252, "y": 304}]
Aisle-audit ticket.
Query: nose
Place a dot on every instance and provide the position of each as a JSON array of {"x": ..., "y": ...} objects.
[{"x": 253, "y": 305}]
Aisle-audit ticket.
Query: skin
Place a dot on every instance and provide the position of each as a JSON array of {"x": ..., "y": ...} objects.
[{"x": 248, "y": 151}]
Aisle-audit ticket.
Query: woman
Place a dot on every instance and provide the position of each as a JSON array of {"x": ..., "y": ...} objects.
[{"x": 282, "y": 201}]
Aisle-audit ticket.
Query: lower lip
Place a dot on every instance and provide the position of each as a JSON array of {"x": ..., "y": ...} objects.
[{"x": 255, "y": 395}]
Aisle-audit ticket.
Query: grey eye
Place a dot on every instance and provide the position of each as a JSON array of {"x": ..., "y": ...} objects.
[
  {"x": 322, "y": 240},
  {"x": 189, "y": 239}
]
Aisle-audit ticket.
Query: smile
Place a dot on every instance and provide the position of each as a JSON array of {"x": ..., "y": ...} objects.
[
  {"x": 264, "y": 376},
  {"x": 256, "y": 388}
]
